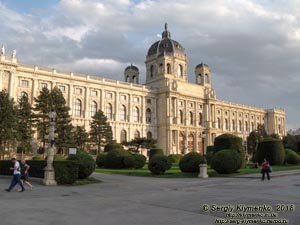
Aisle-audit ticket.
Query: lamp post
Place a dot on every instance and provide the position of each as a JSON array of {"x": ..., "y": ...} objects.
[
  {"x": 203, "y": 165},
  {"x": 49, "y": 173}
]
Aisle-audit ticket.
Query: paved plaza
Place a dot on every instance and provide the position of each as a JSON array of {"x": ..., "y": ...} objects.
[{"x": 128, "y": 200}]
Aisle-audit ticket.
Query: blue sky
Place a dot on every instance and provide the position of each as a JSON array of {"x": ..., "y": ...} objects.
[{"x": 252, "y": 46}]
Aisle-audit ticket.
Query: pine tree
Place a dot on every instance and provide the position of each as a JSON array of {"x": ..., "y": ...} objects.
[
  {"x": 8, "y": 122},
  {"x": 81, "y": 137},
  {"x": 25, "y": 124},
  {"x": 101, "y": 132},
  {"x": 64, "y": 126},
  {"x": 41, "y": 119}
]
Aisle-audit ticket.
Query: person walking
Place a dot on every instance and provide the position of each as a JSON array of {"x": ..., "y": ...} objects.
[
  {"x": 265, "y": 169},
  {"x": 25, "y": 174},
  {"x": 16, "y": 176}
]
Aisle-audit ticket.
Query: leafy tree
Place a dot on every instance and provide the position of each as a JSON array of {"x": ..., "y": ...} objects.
[
  {"x": 255, "y": 137},
  {"x": 292, "y": 141},
  {"x": 64, "y": 126},
  {"x": 25, "y": 124},
  {"x": 8, "y": 122},
  {"x": 138, "y": 143},
  {"x": 81, "y": 137},
  {"x": 101, "y": 132},
  {"x": 42, "y": 108}
]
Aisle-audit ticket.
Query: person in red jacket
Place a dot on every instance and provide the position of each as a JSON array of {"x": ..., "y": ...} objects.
[{"x": 265, "y": 169}]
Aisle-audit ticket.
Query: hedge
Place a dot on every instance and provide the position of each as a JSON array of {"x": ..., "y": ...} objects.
[
  {"x": 228, "y": 141},
  {"x": 272, "y": 150},
  {"x": 115, "y": 159},
  {"x": 66, "y": 171}
]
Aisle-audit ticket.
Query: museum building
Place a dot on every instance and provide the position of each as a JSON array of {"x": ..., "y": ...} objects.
[{"x": 182, "y": 116}]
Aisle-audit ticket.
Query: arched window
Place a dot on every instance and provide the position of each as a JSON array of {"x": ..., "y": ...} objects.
[
  {"x": 93, "y": 108},
  {"x": 168, "y": 68},
  {"x": 240, "y": 126},
  {"x": 206, "y": 78},
  {"x": 191, "y": 118},
  {"x": 77, "y": 107},
  {"x": 279, "y": 129},
  {"x": 136, "y": 114},
  {"x": 199, "y": 78},
  {"x": 246, "y": 126},
  {"x": 233, "y": 125},
  {"x": 226, "y": 124},
  {"x": 123, "y": 136},
  {"x": 122, "y": 112},
  {"x": 161, "y": 68},
  {"x": 127, "y": 79},
  {"x": 181, "y": 142},
  {"x": 137, "y": 134},
  {"x": 191, "y": 143},
  {"x": 24, "y": 94},
  {"x": 180, "y": 116},
  {"x": 200, "y": 119},
  {"x": 149, "y": 135},
  {"x": 219, "y": 123},
  {"x": 151, "y": 71},
  {"x": 134, "y": 79},
  {"x": 108, "y": 111},
  {"x": 252, "y": 126},
  {"x": 180, "y": 70},
  {"x": 148, "y": 115}
]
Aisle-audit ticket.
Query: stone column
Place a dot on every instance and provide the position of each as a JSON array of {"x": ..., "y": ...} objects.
[
  {"x": 49, "y": 172},
  {"x": 1, "y": 80},
  {"x": 11, "y": 91}
]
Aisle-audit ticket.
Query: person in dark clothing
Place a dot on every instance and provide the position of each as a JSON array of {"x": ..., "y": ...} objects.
[{"x": 265, "y": 169}]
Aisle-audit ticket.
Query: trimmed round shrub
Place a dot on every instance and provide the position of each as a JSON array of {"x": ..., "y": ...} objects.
[
  {"x": 129, "y": 161},
  {"x": 113, "y": 146},
  {"x": 37, "y": 157},
  {"x": 66, "y": 171},
  {"x": 155, "y": 151},
  {"x": 175, "y": 158},
  {"x": 59, "y": 157},
  {"x": 139, "y": 161},
  {"x": 209, "y": 156},
  {"x": 86, "y": 164},
  {"x": 228, "y": 141},
  {"x": 272, "y": 150},
  {"x": 101, "y": 159},
  {"x": 190, "y": 162},
  {"x": 159, "y": 164},
  {"x": 226, "y": 161},
  {"x": 115, "y": 159},
  {"x": 291, "y": 157},
  {"x": 210, "y": 148}
]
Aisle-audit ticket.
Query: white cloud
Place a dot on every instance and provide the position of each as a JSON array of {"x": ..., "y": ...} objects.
[{"x": 251, "y": 46}]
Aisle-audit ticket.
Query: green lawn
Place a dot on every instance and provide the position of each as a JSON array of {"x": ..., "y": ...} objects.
[{"x": 175, "y": 172}]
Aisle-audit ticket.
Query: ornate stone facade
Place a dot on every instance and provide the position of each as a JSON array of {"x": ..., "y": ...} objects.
[{"x": 182, "y": 116}]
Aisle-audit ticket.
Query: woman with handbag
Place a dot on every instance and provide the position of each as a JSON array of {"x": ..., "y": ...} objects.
[{"x": 265, "y": 169}]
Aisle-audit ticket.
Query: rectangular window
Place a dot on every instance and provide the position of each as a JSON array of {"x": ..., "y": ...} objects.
[
  {"x": 24, "y": 83},
  {"x": 136, "y": 99},
  {"x": 78, "y": 91},
  {"x": 123, "y": 97},
  {"x": 108, "y": 95},
  {"x": 43, "y": 85},
  {"x": 94, "y": 93},
  {"x": 180, "y": 103},
  {"x": 148, "y": 101},
  {"x": 62, "y": 88}
]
